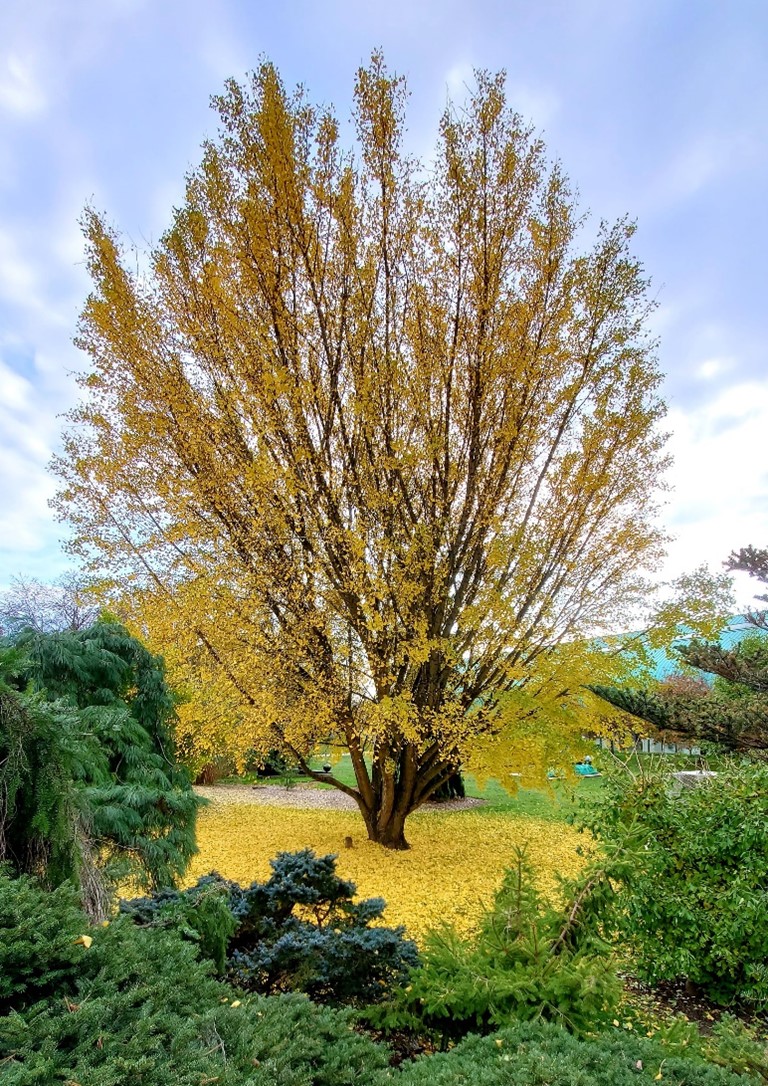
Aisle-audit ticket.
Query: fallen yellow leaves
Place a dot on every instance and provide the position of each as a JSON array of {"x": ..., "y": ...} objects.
[{"x": 452, "y": 869}]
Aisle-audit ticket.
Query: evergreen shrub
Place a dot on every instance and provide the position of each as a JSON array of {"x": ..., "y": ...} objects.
[
  {"x": 201, "y": 914},
  {"x": 39, "y": 951},
  {"x": 528, "y": 960},
  {"x": 300, "y": 931},
  {"x": 89, "y": 790},
  {"x": 546, "y": 1054},
  {"x": 138, "y": 1005}
]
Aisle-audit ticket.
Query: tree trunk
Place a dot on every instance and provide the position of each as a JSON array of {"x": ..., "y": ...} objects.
[
  {"x": 386, "y": 831},
  {"x": 390, "y": 790}
]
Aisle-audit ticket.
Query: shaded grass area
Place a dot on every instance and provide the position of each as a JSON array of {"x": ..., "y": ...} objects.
[{"x": 553, "y": 802}]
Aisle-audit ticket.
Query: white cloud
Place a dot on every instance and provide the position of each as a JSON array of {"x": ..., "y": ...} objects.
[
  {"x": 713, "y": 367},
  {"x": 20, "y": 91},
  {"x": 28, "y": 433},
  {"x": 19, "y": 281},
  {"x": 720, "y": 479},
  {"x": 459, "y": 79},
  {"x": 704, "y": 159},
  {"x": 537, "y": 105}
]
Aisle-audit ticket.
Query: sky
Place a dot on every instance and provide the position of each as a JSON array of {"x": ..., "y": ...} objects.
[{"x": 656, "y": 108}]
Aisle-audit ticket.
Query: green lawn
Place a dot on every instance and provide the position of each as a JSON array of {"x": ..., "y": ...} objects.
[{"x": 555, "y": 802}]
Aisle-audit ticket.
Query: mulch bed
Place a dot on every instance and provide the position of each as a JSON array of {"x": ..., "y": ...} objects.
[
  {"x": 307, "y": 795},
  {"x": 671, "y": 997}
]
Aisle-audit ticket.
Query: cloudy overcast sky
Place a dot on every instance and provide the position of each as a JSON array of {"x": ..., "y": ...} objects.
[{"x": 657, "y": 108}]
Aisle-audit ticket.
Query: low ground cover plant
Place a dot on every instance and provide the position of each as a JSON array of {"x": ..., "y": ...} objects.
[
  {"x": 136, "y": 1003},
  {"x": 40, "y": 939},
  {"x": 538, "y": 1053}
]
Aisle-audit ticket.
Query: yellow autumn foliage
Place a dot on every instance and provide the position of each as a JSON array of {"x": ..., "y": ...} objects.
[
  {"x": 453, "y": 868},
  {"x": 372, "y": 448}
]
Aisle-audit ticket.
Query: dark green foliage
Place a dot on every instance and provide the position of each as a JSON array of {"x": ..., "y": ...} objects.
[
  {"x": 352, "y": 965},
  {"x": 202, "y": 914},
  {"x": 736, "y": 1045},
  {"x": 453, "y": 788},
  {"x": 39, "y": 954},
  {"x": 644, "y": 704},
  {"x": 138, "y": 1006},
  {"x": 529, "y": 960},
  {"x": 544, "y": 1054},
  {"x": 89, "y": 789},
  {"x": 300, "y": 931},
  {"x": 44, "y": 759},
  {"x": 733, "y": 719},
  {"x": 695, "y": 901},
  {"x": 275, "y": 764},
  {"x": 744, "y": 666}
]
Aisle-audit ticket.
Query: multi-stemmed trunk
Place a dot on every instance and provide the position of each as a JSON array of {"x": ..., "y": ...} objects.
[{"x": 391, "y": 788}]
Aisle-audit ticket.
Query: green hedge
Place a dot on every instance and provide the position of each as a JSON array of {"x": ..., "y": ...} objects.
[{"x": 694, "y": 902}]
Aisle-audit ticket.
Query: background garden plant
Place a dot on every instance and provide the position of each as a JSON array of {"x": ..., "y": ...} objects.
[{"x": 694, "y": 903}]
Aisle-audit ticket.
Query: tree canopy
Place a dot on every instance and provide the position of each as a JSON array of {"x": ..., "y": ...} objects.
[
  {"x": 370, "y": 442},
  {"x": 46, "y": 608},
  {"x": 733, "y": 713}
]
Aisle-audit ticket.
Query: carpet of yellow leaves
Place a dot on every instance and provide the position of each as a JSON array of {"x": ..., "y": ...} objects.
[{"x": 454, "y": 865}]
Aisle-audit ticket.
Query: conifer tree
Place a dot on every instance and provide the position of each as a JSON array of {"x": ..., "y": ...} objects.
[
  {"x": 733, "y": 714},
  {"x": 90, "y": 790}
]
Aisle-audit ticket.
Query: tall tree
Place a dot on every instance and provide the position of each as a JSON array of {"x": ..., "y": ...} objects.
[
  {"x": 371, "y": 441},
  {"x": 46, "y": 608},
  {"x": 732, "y": 714}
]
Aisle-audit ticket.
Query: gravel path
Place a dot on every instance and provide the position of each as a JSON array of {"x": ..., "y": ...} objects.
[{"x": 304, "y": 795}]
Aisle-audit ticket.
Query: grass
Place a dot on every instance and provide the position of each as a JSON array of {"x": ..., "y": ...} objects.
[{"x": 554, "y": 802}]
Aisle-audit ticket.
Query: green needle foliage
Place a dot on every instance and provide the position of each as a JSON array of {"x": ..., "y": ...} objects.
[
  {"x": 733, "y": 715},
  {"x": 135, "y": 1005},
  {"x": 544, "y": 1054},
  {"x": 89, "y": 789},
  {"x": 121, "y": 1004},
  {"x": 300, "y": 931},
  {"x": 529, "y": 960}
]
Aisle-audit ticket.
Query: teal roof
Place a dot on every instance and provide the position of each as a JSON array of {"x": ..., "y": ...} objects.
[{"x": 738, "y": 628}]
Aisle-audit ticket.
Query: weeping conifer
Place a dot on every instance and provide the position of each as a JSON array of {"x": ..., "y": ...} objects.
[{"x": 90, "y": 789}]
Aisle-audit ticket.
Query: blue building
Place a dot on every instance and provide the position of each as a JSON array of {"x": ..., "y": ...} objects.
[{"x": 666, "y": 664}]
